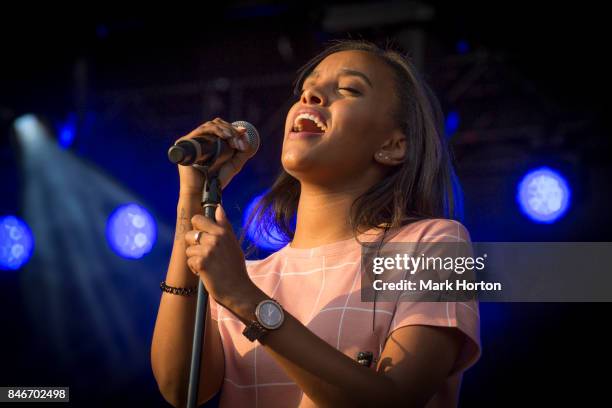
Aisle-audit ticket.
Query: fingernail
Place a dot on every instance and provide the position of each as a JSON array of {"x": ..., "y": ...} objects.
[
  {"x": 227, "y": 133},
  {"x": 242, "y": 144}
]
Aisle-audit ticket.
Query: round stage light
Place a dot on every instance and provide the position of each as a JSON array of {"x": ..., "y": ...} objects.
[
  {"x": 131, "y": 231},
  {"x": 543, "y": 195},
  {"x": 16, "y": 243}
]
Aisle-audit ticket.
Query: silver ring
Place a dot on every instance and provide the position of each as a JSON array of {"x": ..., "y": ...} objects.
[{"x": 197, "y": 237}]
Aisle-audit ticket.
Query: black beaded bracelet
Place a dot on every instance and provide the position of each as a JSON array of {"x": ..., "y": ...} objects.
[{"x": 178, "y": 291}]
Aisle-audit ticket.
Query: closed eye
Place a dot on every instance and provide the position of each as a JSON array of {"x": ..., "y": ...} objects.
[
  {"x": 345, "y": 89},
  {"x": 350, "y": 90}
]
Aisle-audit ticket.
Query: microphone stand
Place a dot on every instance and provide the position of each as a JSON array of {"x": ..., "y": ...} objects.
[{"x": 211, "y": 197}]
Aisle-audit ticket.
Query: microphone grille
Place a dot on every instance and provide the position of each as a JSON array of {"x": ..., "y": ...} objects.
[{"x": 252, "y": 135}]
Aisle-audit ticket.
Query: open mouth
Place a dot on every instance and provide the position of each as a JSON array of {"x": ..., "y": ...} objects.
[{"x": 306, "y": 122}]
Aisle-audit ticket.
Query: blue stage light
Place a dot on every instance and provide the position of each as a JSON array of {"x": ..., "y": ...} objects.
[
  {"x": 16, "y": 243},
  {"x": 452, "y": 123},
  {"x": 131, "y": 231},
  {"x": 272, "y": 241},
  {"x": 543, "y": 195},
  {"x": 67, "y": 132}
]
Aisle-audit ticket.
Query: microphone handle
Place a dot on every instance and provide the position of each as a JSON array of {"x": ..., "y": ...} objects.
[{"x": 210, "y": 152}]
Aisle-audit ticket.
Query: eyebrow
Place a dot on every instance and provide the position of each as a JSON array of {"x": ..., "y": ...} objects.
[{"x": 344, "y": 71}]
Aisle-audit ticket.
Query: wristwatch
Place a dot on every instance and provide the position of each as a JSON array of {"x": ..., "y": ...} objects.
[{"x": 270, "y": 316}]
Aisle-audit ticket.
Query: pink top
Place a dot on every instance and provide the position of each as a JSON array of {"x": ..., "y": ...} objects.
[{"x": 321, "y": 288}]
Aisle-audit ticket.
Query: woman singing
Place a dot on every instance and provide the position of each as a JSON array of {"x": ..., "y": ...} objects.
[{"x": 363, "y": 159}]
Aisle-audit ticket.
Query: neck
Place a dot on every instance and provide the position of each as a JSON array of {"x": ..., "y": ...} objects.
[{"x": 323, "y": 215}]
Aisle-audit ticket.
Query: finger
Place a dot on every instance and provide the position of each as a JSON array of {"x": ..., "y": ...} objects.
[
  {"x": 226, "y": 125},
  {"x": 210, "y": 128},
  {"x": 194, "y": 250},
  {"x": 220, "y": 120},
  {"x": 205, "y": 224},
  {"x": 249, "y": 148},
  {"x": 233, "y": 142},
  {"x": 241, "y": 131},
  {"x": 206, "y": 127},
  {"x": 237, "y": 131},
  {"x": 240, "y": 138},
  {"x": 223, "y": 132},
  {"x": 229, "y": 169},
  {"x": 228, "y": 133},
  {"x": 193, "y": 263},
  {"x": 242, "y": 144},
  {"x": 190, "y": 237},
  {"x": 221, "y": 218},
  {"x": 219, "y": 130}
]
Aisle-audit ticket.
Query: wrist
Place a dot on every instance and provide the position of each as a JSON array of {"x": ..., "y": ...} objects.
[
  {"x": 190, "y": 195},
  {"x": 188, "y": 205},
  {"x": 243, "y": 303}
]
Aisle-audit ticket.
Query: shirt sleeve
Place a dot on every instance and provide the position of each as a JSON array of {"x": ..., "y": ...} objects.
[{"x": 464, "y": 315}]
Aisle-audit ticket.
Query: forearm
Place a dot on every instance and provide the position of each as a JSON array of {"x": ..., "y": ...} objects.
[
  {"x": 173, "y": 335},
  {"x": 326, "y": 375}
]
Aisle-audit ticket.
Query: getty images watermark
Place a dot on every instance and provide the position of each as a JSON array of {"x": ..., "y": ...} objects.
[
  {"x": 411, "y": 264},
  {"x": 487, "y": 271}
]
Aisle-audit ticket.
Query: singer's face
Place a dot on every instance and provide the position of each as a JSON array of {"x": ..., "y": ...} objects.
[{"x": 357, "y": 120}]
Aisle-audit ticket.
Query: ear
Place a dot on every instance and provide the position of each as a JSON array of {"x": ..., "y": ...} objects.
[{"x": 393, "y": 151}]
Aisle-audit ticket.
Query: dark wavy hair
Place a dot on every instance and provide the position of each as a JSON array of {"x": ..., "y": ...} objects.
[{"x": 423, "y": 186}]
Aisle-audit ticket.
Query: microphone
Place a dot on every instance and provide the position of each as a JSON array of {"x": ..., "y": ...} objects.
[{"x": 210, "y": 150}]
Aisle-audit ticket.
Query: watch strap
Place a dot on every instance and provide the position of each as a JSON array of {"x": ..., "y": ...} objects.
[{"x": 254, "y": 331}]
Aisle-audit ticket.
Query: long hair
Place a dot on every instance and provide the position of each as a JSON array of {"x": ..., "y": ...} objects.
[{"x": 423, "y": 186}]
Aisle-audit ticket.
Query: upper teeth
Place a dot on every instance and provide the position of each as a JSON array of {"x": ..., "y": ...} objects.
[{"x": 316, "y": 120}]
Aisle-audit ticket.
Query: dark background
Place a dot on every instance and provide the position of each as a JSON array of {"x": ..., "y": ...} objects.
[{"x": 528, "y": 82}]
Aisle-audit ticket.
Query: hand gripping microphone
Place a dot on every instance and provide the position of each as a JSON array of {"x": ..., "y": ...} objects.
[{"x": 210, "y": 150}]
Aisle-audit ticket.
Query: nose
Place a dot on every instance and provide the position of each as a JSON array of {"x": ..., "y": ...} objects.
[{"x": 312, "y": 95}]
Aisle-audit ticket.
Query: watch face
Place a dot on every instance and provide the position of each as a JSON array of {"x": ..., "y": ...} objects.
[{"x": 270, "y": 315}]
